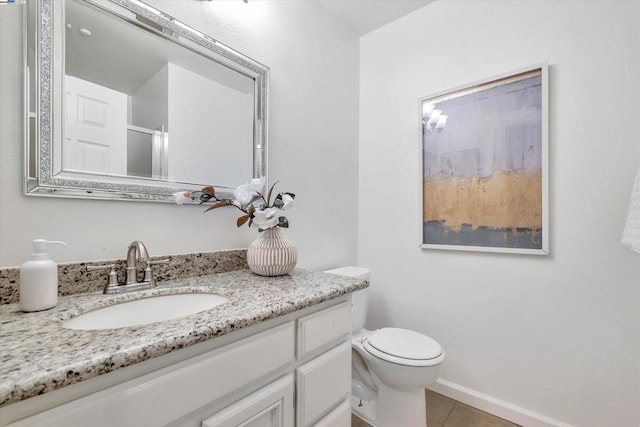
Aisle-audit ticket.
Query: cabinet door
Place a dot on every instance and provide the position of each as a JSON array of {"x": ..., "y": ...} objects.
[
  {"x": 339, "y": 417},
  {"x": 323, "y": 383},
  {"x": 271, "y": 406}
]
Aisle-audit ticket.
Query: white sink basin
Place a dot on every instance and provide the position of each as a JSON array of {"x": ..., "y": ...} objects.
[{"x": 145, "y": 310}]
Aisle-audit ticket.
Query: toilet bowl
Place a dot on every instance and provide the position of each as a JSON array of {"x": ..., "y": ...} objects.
[{"x": 390, "y": 367}]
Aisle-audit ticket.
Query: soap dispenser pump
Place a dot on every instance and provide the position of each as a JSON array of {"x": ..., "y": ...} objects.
[{"x": 39, "y": 279}]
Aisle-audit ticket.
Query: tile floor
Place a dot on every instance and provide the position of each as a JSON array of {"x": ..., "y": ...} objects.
[{"x": 445, "y": 412}]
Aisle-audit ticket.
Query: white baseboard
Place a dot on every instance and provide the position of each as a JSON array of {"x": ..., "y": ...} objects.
[{"x": 494, "y": 406}]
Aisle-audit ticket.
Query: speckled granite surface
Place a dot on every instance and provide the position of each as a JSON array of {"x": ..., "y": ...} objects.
[
  {"x": 38, "y": 355},
  {"x": 73, "y": 278}
]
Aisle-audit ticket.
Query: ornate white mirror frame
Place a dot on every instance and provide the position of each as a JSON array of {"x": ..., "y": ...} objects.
[{"x": 44, "y": 123}]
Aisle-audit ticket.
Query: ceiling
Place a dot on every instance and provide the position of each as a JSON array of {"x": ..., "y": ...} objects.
[
  {"x": 367, "y": 15},
  {"x": 146, "y": 54},
  {"x": 123, "y": 57}
]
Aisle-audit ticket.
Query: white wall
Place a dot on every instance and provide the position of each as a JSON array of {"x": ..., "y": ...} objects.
[
  {"x": 555, "y": 335},
  {"x": 313, "y": 112},
  {"x": 213, "y": 123},
  {"x": 149, "y": 107}
]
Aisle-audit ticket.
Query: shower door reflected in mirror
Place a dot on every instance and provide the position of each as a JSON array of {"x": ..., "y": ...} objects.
[{"x": 149, "y": 105}]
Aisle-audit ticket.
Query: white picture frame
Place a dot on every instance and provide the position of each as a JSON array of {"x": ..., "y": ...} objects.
[{"x": 485, "y": 165}]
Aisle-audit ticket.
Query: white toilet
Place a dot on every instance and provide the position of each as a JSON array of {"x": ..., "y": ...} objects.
[{"x": 390, "y": 367}]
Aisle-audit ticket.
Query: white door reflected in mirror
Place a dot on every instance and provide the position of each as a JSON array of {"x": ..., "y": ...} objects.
[{"x": 95, "y": 133}]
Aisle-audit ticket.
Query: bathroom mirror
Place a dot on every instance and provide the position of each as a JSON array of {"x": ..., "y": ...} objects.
[{"x": 126, "y": 102}]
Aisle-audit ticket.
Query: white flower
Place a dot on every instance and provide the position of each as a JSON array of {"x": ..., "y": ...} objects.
[
  {"x": 267, "y": 218},
  {"x": 287, "y": 201},
  {"x": 245, "y": 193},
  {"x": 181, "y": 197},
  {"x": 257, "y": 185}
]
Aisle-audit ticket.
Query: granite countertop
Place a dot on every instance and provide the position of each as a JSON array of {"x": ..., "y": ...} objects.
[{"x": 38, "y": 355}]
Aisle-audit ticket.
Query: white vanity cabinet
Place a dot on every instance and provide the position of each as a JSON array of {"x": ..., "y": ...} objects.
[
  {"x": 293, "y": 370},
  {"x": 323, "y": 379},
  {"x": 271, "y": 406}
]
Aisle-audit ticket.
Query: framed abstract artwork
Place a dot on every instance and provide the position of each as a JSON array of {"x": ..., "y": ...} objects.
[{"x": 485, "y": 165}]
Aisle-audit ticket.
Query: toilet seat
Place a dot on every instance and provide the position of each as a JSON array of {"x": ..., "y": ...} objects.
[{"x": 403, "y": 347}]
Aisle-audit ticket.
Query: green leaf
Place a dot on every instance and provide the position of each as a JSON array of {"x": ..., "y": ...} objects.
[
  {"x": 204, "y": 198},
  {"x": 218, "y": 205},
  {"x": 283, "y": 222}
]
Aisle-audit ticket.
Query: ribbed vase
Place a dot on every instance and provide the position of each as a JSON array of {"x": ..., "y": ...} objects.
[{"x": 272, "y": 254}]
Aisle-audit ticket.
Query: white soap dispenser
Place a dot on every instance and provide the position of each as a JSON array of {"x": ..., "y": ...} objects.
[{"x": 39, "y": 279}]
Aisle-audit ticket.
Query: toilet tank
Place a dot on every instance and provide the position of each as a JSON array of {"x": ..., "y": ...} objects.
[{"x": 359, "y": 299}]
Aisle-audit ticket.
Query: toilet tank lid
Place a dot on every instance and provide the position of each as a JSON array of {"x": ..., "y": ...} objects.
[{"x": 357, "y": 272}]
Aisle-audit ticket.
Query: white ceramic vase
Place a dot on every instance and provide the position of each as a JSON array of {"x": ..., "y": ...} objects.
[{"x": 272, "y": 254}]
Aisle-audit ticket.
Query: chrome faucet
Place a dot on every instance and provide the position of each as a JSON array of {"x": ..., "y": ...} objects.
[{"x": 136, "y": 251}]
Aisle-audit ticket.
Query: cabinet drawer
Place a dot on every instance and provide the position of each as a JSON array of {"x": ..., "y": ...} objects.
[
  {"x": 163, "y": 396},
  {"x": 322, "y": 384},
  {"x": 322, "y": 328}
]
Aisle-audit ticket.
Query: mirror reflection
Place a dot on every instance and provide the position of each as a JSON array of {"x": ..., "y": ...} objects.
[{"x": 145, "y": 105}]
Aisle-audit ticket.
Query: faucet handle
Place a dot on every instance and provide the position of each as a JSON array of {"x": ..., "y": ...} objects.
[
  {"x": 112, "y": 275},
  {"x": 148, "y": 273}
]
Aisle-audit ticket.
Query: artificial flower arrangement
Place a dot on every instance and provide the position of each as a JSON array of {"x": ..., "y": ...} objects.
[{"x": 249, "y": 198}]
